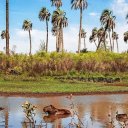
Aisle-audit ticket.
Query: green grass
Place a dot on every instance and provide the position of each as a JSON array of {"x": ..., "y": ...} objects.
[{"x": 49, "y": 85}]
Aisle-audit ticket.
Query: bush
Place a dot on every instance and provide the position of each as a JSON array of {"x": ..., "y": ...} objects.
[{"x": 56, "y": 64}]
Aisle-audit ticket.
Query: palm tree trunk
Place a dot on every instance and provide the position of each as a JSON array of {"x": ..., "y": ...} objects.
[
  {"x": 79, "y": 43},
  {"x": 110, "y": 41},
  {"x": 7, "y": 27},
  {"x": 100, "y": 40},
  {"x": 62, "y": 40},
  {"x": 117, "y": 46},
  {"x": 47, "y": 36},
  {"x": 113, "y": 45},
  {"x": 95, "y": 43},
  {"x": 57, "y": 43},
  {"x": 84, "y": 44},
  {"x": 59, "y": 40},
  {"x": 30, "y": 43}
]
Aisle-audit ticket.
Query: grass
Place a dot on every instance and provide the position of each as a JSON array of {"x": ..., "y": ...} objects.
[{"x": 50, "y": 85}]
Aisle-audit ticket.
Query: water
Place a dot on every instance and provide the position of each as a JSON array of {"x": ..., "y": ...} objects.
[{"x": 92, "y": 110}]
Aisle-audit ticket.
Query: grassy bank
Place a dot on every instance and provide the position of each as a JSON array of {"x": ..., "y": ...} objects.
[
  {"x": 50, "y": 85},
  {"x": 64, "y": 72}
]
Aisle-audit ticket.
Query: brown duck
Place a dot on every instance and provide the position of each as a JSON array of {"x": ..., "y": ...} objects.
[{"x": 121, "y": 117}]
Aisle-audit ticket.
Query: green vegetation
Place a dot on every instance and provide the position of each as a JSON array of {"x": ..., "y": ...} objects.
[
  {"x": 57, "y": 64},
  {"x": 63, "y": 72},
  {"x": 49, "y": 85}
]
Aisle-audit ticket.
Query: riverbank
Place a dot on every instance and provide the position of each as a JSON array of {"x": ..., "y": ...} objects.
[{"x": 50, "y": 87}]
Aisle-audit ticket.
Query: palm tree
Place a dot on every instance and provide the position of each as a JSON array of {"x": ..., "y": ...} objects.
[
  {"x": 27, "y": 26},
  {"x": 82, "y": 5},
  {"x": 101, "y": 35},
  {"x": 44, "y": 15},
  {"x": 93, "y": 36},
  {"x": 55, "y": 33},
  {"x": 127, "y": 17},
  {"x": 56, "y": 3},
  {"x": 115, "y": 37},
  {"x": 83, "y": 35},
  {"x": 3, "y": 34},
  {"x": 7, "y": 27},
  {"x": 108, "y": 21},
  {"x": 60, "y": 21},
  {"x": 126, "y": 37}
]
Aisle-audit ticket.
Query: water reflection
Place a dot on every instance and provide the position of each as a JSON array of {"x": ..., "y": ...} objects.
[{"x": 93, "y": 111}]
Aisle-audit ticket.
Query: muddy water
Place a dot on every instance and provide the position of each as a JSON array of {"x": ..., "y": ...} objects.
[{"x": 92, "y": 111}]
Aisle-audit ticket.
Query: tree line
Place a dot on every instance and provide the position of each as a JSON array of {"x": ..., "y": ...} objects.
[{"x": 59, "y": 21}]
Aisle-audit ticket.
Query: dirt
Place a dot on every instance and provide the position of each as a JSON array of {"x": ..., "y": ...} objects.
[{"x": 19, "y": 94}]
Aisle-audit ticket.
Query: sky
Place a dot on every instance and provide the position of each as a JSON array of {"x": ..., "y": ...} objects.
[{"x": 29, "y": 9}]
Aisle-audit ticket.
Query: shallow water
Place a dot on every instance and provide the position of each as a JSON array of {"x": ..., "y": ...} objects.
[{"x": 92, "y": 110}]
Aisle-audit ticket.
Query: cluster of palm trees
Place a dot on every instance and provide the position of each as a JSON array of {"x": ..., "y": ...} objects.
[
  {"x": 59, "y": 21},
  {"x": 106, "y": 31}
]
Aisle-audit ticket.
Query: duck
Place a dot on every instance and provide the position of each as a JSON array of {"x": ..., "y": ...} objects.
[
  {"x": 121, "y": 117},
  {"x": 1, "y": 108}
]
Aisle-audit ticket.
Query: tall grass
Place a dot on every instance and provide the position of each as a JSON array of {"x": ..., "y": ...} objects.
[{"x": 54, "y": 63}]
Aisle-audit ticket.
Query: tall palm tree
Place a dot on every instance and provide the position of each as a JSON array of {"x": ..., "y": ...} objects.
[
  {"x": 44, "y": 15},
  {"x": 115, "y": 37},
  {"x": 3, "y": 34},
  {"x": 108, "y": 21},
  {"x": 82, "y": 5},
  {"x": 7, "y": 27},
  {"x": 60, "y": 21},
  {"x": 27, "y": 26},
  {"x": 56, "y": 3},
  {"x": 83, "y": 35}
]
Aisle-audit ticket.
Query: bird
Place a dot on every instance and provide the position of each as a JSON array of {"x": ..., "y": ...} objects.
[
  {"x": 121, "y": 117},
  {"x": 1, "y": 108},
  {"x": 69, "y": 97}
]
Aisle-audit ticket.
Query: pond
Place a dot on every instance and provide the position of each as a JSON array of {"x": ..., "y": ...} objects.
[{"x": 93, "y": 111}]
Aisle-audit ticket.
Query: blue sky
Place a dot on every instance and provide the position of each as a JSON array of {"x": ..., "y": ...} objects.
[{"x": 29, "y": 9}]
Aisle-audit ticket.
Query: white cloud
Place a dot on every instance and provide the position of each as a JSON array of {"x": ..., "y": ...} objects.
[
  {"x": 20, "y": 38},
  {"x": 120, "y": 7},
  {"x": 93, "y": 14}
]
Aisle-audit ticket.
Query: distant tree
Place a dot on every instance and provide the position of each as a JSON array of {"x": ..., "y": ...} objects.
[
  {"x": 127, "y": 17},
  {"x": 115, "y": 37},
  {"x": 81, "y": 5},
  {"x": 126, "y": 37},
  {"x": 83, "y": 35},
  {"x": 55, "y": 31},
  {"x": 44, "y": 15},
  {"x": 108, "y": 22},
  {"x": 27, "y": 26},
  {"x": 59, "y": 20},
  {"x": 42, "y": 46},
  {"x": 56, "y": 3},
  {"x": 101, "y": 35},
  {"x": 3, "y": 34},
  {"x": 93, "y": 37}
]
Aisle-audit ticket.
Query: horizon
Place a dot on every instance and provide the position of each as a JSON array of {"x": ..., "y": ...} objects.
[{"x": 21, "y": 10}]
